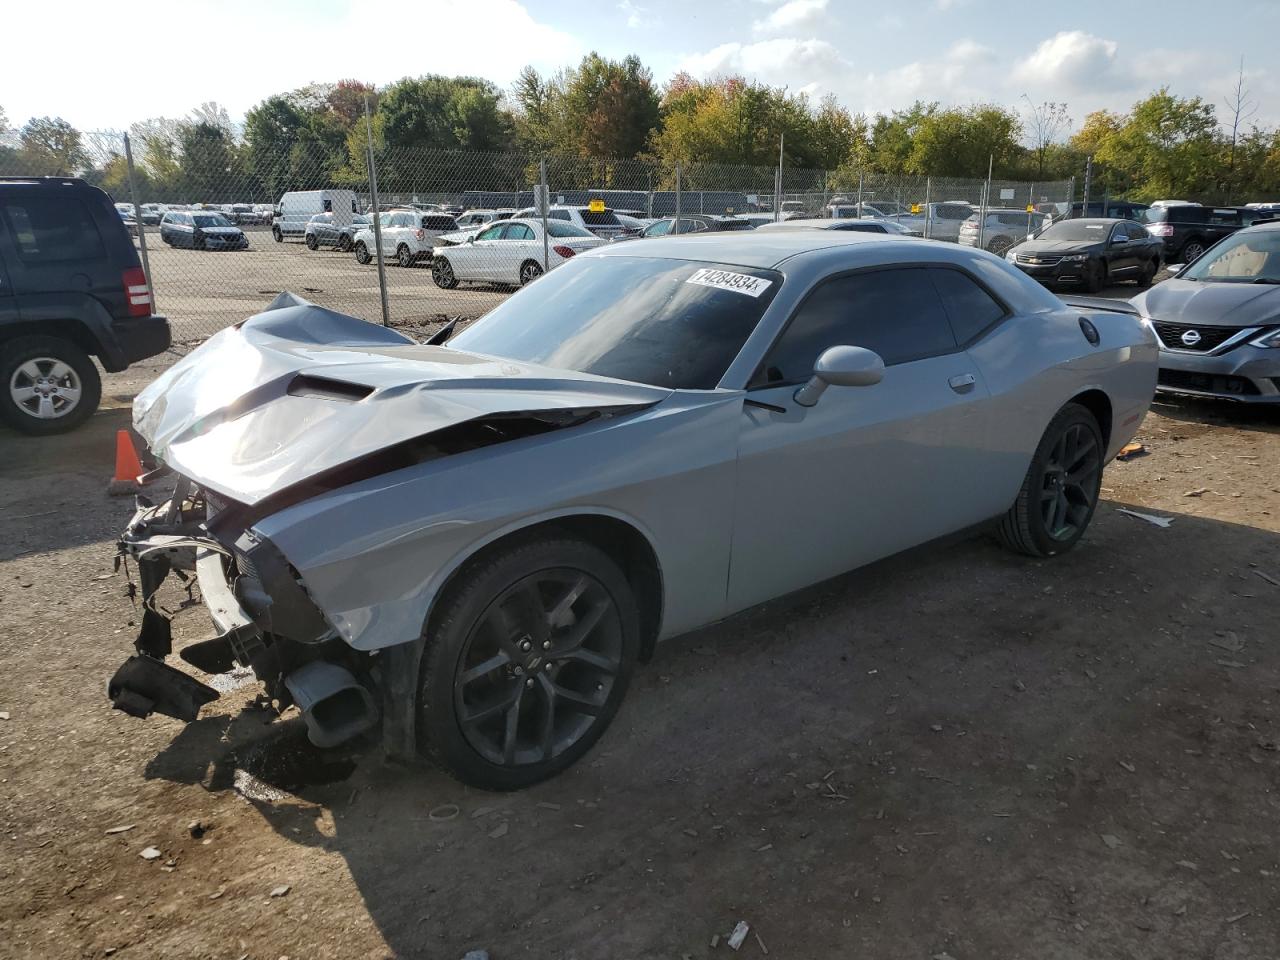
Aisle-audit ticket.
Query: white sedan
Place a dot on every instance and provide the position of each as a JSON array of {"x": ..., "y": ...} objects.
[{"x": 510, "y": 252}]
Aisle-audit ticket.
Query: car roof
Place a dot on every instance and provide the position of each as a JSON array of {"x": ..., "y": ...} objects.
[{"x": 751, "y": 248}]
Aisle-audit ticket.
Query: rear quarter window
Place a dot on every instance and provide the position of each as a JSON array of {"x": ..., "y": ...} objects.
[
  {"x": 48, "y": 229},
  {"x": 604, "y": 218},
  {"x": 969, "y": 307},
  {"x": 439, "y": 223}
]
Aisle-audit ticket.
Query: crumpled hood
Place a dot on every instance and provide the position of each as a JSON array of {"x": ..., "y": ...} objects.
[
  {"x": 299, "y": 389},
  {"x": 1211, "y": 304}
]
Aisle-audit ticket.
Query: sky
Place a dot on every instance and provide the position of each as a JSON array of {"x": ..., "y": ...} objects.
[{"x": 874, "y": 55}]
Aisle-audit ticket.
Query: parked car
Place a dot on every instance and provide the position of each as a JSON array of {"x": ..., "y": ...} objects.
[
  {"x": 476, "y": 543},
  {"x": 408, "y": 236},
  {"x": 1118, "y": 208},
  {"x": 879, "y": 210},
  {"x": 1188, "y": 230},
  {"x": 691, "y": 223},
  {"x": 603, "y": 223},
  {"x": 71, "y": 288},
  {"x": 852, "y": 226},
  {"x": 152, "y": 214},
  {"x": 243, "y": 214},
  {"x": 1000, "y": 229},
  {"x": 322, "y": 231},
  {"x": 202, "y": 230},
  {"x": 126, "y": 217},
  {"x": 510, "y": 252},
  {"x": 1089, "y": 253},
  {"x": 478, "y": 218},
  {"x": 297, "y": 207},
  {"x": 1218, "y": 320},
  {"x": 940, "y": 220}
]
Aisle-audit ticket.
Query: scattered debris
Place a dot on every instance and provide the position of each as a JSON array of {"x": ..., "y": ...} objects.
[
  {"x": 281, "y": 890},
  {"x": 544, "y": 805},
  {"x": 446, "y": 811},
  {"x": 935, "y": 727},
  {"x": 1131, "y": 450},
  {"x": 1228, "y": 640},
  {"x": 499, "y": 831},
  {"x": 767, "y": 846},
  {"x": 217, "y": 894},
  {"x": 150, "y": 853},
  {"x": 1265, "y": 576},
  {"x": 1188, "y": 864},
  {"x": 476, "y": 955},
  {"x": 123, "y": 828},
  {"x": 1111, "y": 840},
  {"x": 4, "y": 714},
  {"x": 763, "y": 948},
  {"x": 197, "y": 829},
  {"x": 1239, "y": 916},
  {"x": 943, "y": 956},
  {"x": 1180, "y": 911},
  {"x": 1197, "y": 492},
  {"x": 1269, "y": 745},
  {"x": 739, "y": 935},
  {"x": 1149, "y": 517},
  {"x": 1127, "y": 765}
]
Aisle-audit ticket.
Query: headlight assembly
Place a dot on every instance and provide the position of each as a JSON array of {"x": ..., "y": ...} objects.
[{"x": 1268, "y": 339}]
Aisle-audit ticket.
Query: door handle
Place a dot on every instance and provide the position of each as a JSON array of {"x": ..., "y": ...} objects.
[{"x": 963, "y": 382}]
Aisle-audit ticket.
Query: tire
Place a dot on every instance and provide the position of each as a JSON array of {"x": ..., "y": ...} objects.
[
  {"x": 1191, "y": 250},
  {"x": 1092, "y": 277},
  {"x": 1032, "y": 524},
  {"x": 344, "y": 243},
  {"x": 442, "y": 274},
  {"x": 488, "y": 726},
  {"x": 530, "y": 271},
  {"x": 277, "y": 235},
  {"x": 999, "y": 246},
  {"x": 362, "y": 253},
  {"x": 1147, "y": 274},
  {"x": 404, "y": 256},
  {"x": 26, "y": 364},
  {"x": 312, "y": 242}
]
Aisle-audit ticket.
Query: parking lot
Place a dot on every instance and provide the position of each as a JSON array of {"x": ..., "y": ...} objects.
[
  {"x": 956, "y": 752},
  {"x": 203, "y": 291}
]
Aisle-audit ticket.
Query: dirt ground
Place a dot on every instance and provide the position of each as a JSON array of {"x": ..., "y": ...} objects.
[{"x": 955, "y": 753}]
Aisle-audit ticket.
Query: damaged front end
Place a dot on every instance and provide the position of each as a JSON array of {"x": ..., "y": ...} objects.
[{"x": 265, "y": 621}]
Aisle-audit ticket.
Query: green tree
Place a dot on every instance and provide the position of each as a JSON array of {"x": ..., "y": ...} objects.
[
  {"x": 213, "y": 169},
  {"x": 52, "y": 146},
  {"x": 961, "y": 142},
  {"x": 271, "y": 130},
  {"x": 610, "y": 107}
]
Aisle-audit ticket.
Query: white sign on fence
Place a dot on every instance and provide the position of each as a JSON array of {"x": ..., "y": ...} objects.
[{"x": 1006, "y": 193}]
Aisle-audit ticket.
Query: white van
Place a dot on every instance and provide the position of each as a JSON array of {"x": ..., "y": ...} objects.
[{"x": 297, "y": 207}]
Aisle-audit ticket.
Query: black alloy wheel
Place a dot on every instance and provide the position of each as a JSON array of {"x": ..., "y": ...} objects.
[
  {"x": 530, "y": 271},
  {"x": 362, "y": 253},
  {"x": 404, "y": 256},
  {"x": 1192, "y": 250},
  {"x": 442, "y": 274}
]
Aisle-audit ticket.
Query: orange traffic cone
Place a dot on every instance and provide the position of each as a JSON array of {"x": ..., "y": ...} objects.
[{"x": 128, "y": 466}]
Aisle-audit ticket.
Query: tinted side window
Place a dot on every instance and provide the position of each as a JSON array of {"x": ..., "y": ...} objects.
[
  {"x": 558, "y": 215},
  {"x": 518, "y": 231},
  {"x": 970, "y": 308},
  {"x": 53, "y": 228},
  {"x": 1225, "y": 218},
  {"x": 896, "y": 313}
]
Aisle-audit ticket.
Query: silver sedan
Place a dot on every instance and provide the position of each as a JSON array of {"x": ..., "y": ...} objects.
[{"x": 472, "y": 545}]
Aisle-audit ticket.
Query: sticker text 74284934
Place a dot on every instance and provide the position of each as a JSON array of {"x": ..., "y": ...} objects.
[{"x": 727, "y": 280}]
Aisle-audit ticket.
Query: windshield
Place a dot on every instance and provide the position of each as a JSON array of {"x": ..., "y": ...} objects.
[
  {"x": 558, "y": 228},
  {"x": 1076, "y": 230},
  {"x": 1240, "y": 258},
  {"x": 669, "y": 323},
  {"x": 211, "y": 220}
]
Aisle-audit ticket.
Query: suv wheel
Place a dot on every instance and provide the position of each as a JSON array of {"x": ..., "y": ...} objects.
[
  {"x": 442, "y": 274},
  {"x": 1060, "y": 491},
  {"x": 344, "y": 243},
  {"x": 312, "y": 242},
  {"x": 404, "y": 256},
  {"x": 362, "y": 253},
  {"x": 526, "y": 663},
  {"x": 279, "y": 237},
  {"x": 47, "y": 385},
  {"x": 1191, "y": 250}
]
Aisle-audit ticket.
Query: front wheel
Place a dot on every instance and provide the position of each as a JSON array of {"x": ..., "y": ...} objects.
[
  {"x": 404, "y": 256},
  {"x": 312, "y": 242},
  {"x": 1060, "y": 491},
  {"x": 526, "y": 663},
  {"x": 362, "y": 253},
  {"x": 530, "y": 271},
  {"x": 1147, "y": 274},
  {"x": 50, "y": 385},
  {"x": 279, "y": 237},
  {"x": 344, "y": 243},
  {"x": 442, "y": 274},
  {"x": 999, "y": 246}
]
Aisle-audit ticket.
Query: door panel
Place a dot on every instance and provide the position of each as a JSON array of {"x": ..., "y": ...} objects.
[{"x": 865, "y": 473}]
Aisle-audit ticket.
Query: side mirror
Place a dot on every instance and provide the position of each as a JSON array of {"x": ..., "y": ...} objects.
[
  {"x": 1174, "y": 267},
  {"x": 841, "y": 367}
]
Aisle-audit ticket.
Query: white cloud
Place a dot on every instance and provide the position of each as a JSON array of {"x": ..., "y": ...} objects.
[
  {"x": 1071, "y": 61},
  {"x": 793, "y": 16},
  {"x": 635, "y": 13},
  {"x": 785, "y": 61}
]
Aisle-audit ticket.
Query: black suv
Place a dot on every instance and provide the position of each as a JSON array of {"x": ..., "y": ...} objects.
[
  {"x": 1189, "y": 230},
  {"x": 71, "y": 287}
]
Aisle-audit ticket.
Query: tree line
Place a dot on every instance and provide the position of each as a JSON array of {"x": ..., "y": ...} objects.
[{"x": 607, "y": 123}]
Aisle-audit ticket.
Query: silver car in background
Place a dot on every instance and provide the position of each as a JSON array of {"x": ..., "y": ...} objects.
[{"x": 474, "y": 544}]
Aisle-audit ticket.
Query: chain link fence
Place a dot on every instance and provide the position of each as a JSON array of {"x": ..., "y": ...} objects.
[{"x": 418, "y": 237}]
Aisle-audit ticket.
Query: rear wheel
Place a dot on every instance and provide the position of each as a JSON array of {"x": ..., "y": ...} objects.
[
  {"x": 49, "y": 385},
  {"x": 312, "y": 242},
  {"x": 530, "y": 271},
  {"x": 1191, "y": 250},
  {"x": 442, "y": 274},
  {"x": 1060, "y": 491},
  {"x": 404, "y": 256},
  {"x": 362, "y": 253},
  {"x": 526, "y": 663},
  {"x": 279, "y": 237}
]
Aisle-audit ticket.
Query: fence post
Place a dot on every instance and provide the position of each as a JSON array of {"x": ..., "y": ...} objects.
[
  {"x": 1031, "y": 202},
  {"x": 649, "y": 207},
  {"x": 1088, "y": 182},
  {"x": 677, "y": 223},
  {"x": 777, "y": 183},
  {"x": 142, "y": 227},
  {"x": 928, "y": 191},
  {"x": 857, "y": 215},
  {"x": 986, "y": 202},
  {"x": 544, "y": 201},
  {"x": 377, "y": 223}
]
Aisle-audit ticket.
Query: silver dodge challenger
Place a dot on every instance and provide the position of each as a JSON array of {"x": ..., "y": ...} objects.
[{"x": 464, "y": 548}]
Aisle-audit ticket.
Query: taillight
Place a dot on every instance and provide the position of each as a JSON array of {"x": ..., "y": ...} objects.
[
  {"x": 137, "y": 292},
  {"x": 1160, "y": 229},
  {"x": 564, "y": 251},
  {"x": 420, "y": 234}
]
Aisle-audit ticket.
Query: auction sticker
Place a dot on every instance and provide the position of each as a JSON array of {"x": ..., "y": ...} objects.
[{"x": 727, "y": 280}]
